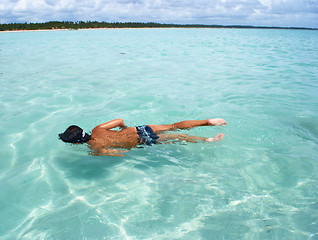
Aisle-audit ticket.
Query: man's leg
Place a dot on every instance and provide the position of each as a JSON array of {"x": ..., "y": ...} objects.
[
  {"x": 185, "y": 137},
  {"x": 188, "y": 124}
]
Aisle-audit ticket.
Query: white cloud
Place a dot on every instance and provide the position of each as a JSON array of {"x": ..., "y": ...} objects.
[
  {"x": 225, "y": 12},
  {"x": 266, "y": 3}
]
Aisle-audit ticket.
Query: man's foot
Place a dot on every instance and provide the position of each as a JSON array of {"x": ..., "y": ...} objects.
[
  {"x": 217, "y": 121},
  {"x": 216, "y": 138}
]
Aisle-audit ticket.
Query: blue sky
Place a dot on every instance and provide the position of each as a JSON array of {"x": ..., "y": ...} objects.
[{"x": 288, "y": 13}]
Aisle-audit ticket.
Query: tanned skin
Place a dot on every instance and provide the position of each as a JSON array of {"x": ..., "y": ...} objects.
[{"x": 105, "y": 139}]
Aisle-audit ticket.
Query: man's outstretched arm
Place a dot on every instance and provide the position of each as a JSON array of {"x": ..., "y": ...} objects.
[{"x": 109, "y": 152}]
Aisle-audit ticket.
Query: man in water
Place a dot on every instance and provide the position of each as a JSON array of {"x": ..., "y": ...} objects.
[{"x": 105, "y": 141}]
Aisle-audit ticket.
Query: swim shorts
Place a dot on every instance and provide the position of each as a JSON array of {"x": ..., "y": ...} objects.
[{"x": 146, "y": 135}]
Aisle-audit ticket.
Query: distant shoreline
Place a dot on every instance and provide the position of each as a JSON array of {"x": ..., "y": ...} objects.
[{"x": 80, "y": 25}]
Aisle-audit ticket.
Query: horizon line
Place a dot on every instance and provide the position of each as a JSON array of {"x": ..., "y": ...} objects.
[{"x": 145, "y": 25}]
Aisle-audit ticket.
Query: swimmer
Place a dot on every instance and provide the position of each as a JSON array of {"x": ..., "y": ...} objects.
[{"x": 105, "y": 140}]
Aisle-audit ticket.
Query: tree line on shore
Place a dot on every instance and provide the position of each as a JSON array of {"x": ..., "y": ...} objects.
[{"x": 94, "y": 24}]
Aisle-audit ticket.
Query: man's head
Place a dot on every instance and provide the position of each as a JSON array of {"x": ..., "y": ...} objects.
[{"x": 74, "y": 134}]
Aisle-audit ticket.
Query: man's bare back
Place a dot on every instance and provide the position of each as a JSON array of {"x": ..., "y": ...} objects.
[{"x": 106, "y": 140}]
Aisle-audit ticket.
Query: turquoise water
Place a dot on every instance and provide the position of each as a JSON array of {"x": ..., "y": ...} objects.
[{"x": 260, "y": 182}]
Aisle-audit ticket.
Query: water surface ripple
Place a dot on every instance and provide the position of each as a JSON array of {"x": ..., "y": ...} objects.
[{"x": 260, "y": 182}]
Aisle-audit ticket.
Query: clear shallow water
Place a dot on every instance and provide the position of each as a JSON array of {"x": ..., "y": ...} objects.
[{"x": 260, "y": 182}]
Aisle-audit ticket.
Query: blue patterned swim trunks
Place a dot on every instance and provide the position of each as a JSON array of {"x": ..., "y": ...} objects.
[{"x": 146, "y": 135}]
